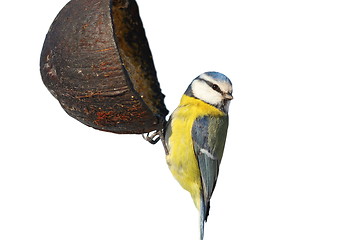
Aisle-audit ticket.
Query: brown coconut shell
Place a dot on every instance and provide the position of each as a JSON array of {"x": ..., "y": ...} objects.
[{"x": 97, "y": 63}]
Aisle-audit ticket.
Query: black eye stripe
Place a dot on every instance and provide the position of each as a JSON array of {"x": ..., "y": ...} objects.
[{"x": 213, "y": 86}]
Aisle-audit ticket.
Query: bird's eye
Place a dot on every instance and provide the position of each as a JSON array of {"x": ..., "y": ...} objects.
[{"x": 215, "y": 87}]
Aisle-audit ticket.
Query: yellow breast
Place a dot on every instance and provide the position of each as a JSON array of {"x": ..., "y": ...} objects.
[{"x": 181, "y": 158}]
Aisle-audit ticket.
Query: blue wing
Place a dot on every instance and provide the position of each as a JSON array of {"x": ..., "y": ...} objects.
[{"x": 209, "y": 135}]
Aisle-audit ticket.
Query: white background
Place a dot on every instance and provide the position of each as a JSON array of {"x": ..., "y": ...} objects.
[{"x": 291, "y": 167}]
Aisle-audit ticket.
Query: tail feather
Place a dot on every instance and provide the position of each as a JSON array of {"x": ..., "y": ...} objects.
[
  {"x": 204, "y": 212},
  {"x": 202, "y": 218}
]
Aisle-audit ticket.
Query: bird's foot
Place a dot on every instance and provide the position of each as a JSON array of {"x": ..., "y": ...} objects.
[{"x": 154, "y": 136}]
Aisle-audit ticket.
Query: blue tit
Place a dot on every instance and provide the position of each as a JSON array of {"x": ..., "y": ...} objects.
[{"x": 195, "y": 138}]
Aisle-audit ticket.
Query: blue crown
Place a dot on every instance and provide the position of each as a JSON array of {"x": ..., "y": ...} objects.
[{"x": 218, "y": 76}]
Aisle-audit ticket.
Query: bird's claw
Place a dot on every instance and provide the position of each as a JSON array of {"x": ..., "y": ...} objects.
[{"x": 152, "y": 137}]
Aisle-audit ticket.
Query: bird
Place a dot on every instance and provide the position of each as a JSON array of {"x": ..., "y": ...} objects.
[{"x": 194, "y": 138}]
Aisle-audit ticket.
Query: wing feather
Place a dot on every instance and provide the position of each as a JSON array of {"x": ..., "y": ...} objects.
[{"x": 209, "y": 135}]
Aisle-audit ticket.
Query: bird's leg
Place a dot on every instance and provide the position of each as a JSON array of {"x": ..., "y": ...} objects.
[
  {"x": 154, "y": 137},
  {"x": 162, "y": 137}
]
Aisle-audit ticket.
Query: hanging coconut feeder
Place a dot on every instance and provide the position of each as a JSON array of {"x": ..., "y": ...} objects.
[{"x": 97, "y": 63}]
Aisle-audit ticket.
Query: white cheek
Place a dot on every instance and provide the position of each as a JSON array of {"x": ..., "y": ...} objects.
[{"x": 204, "y": 92}]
